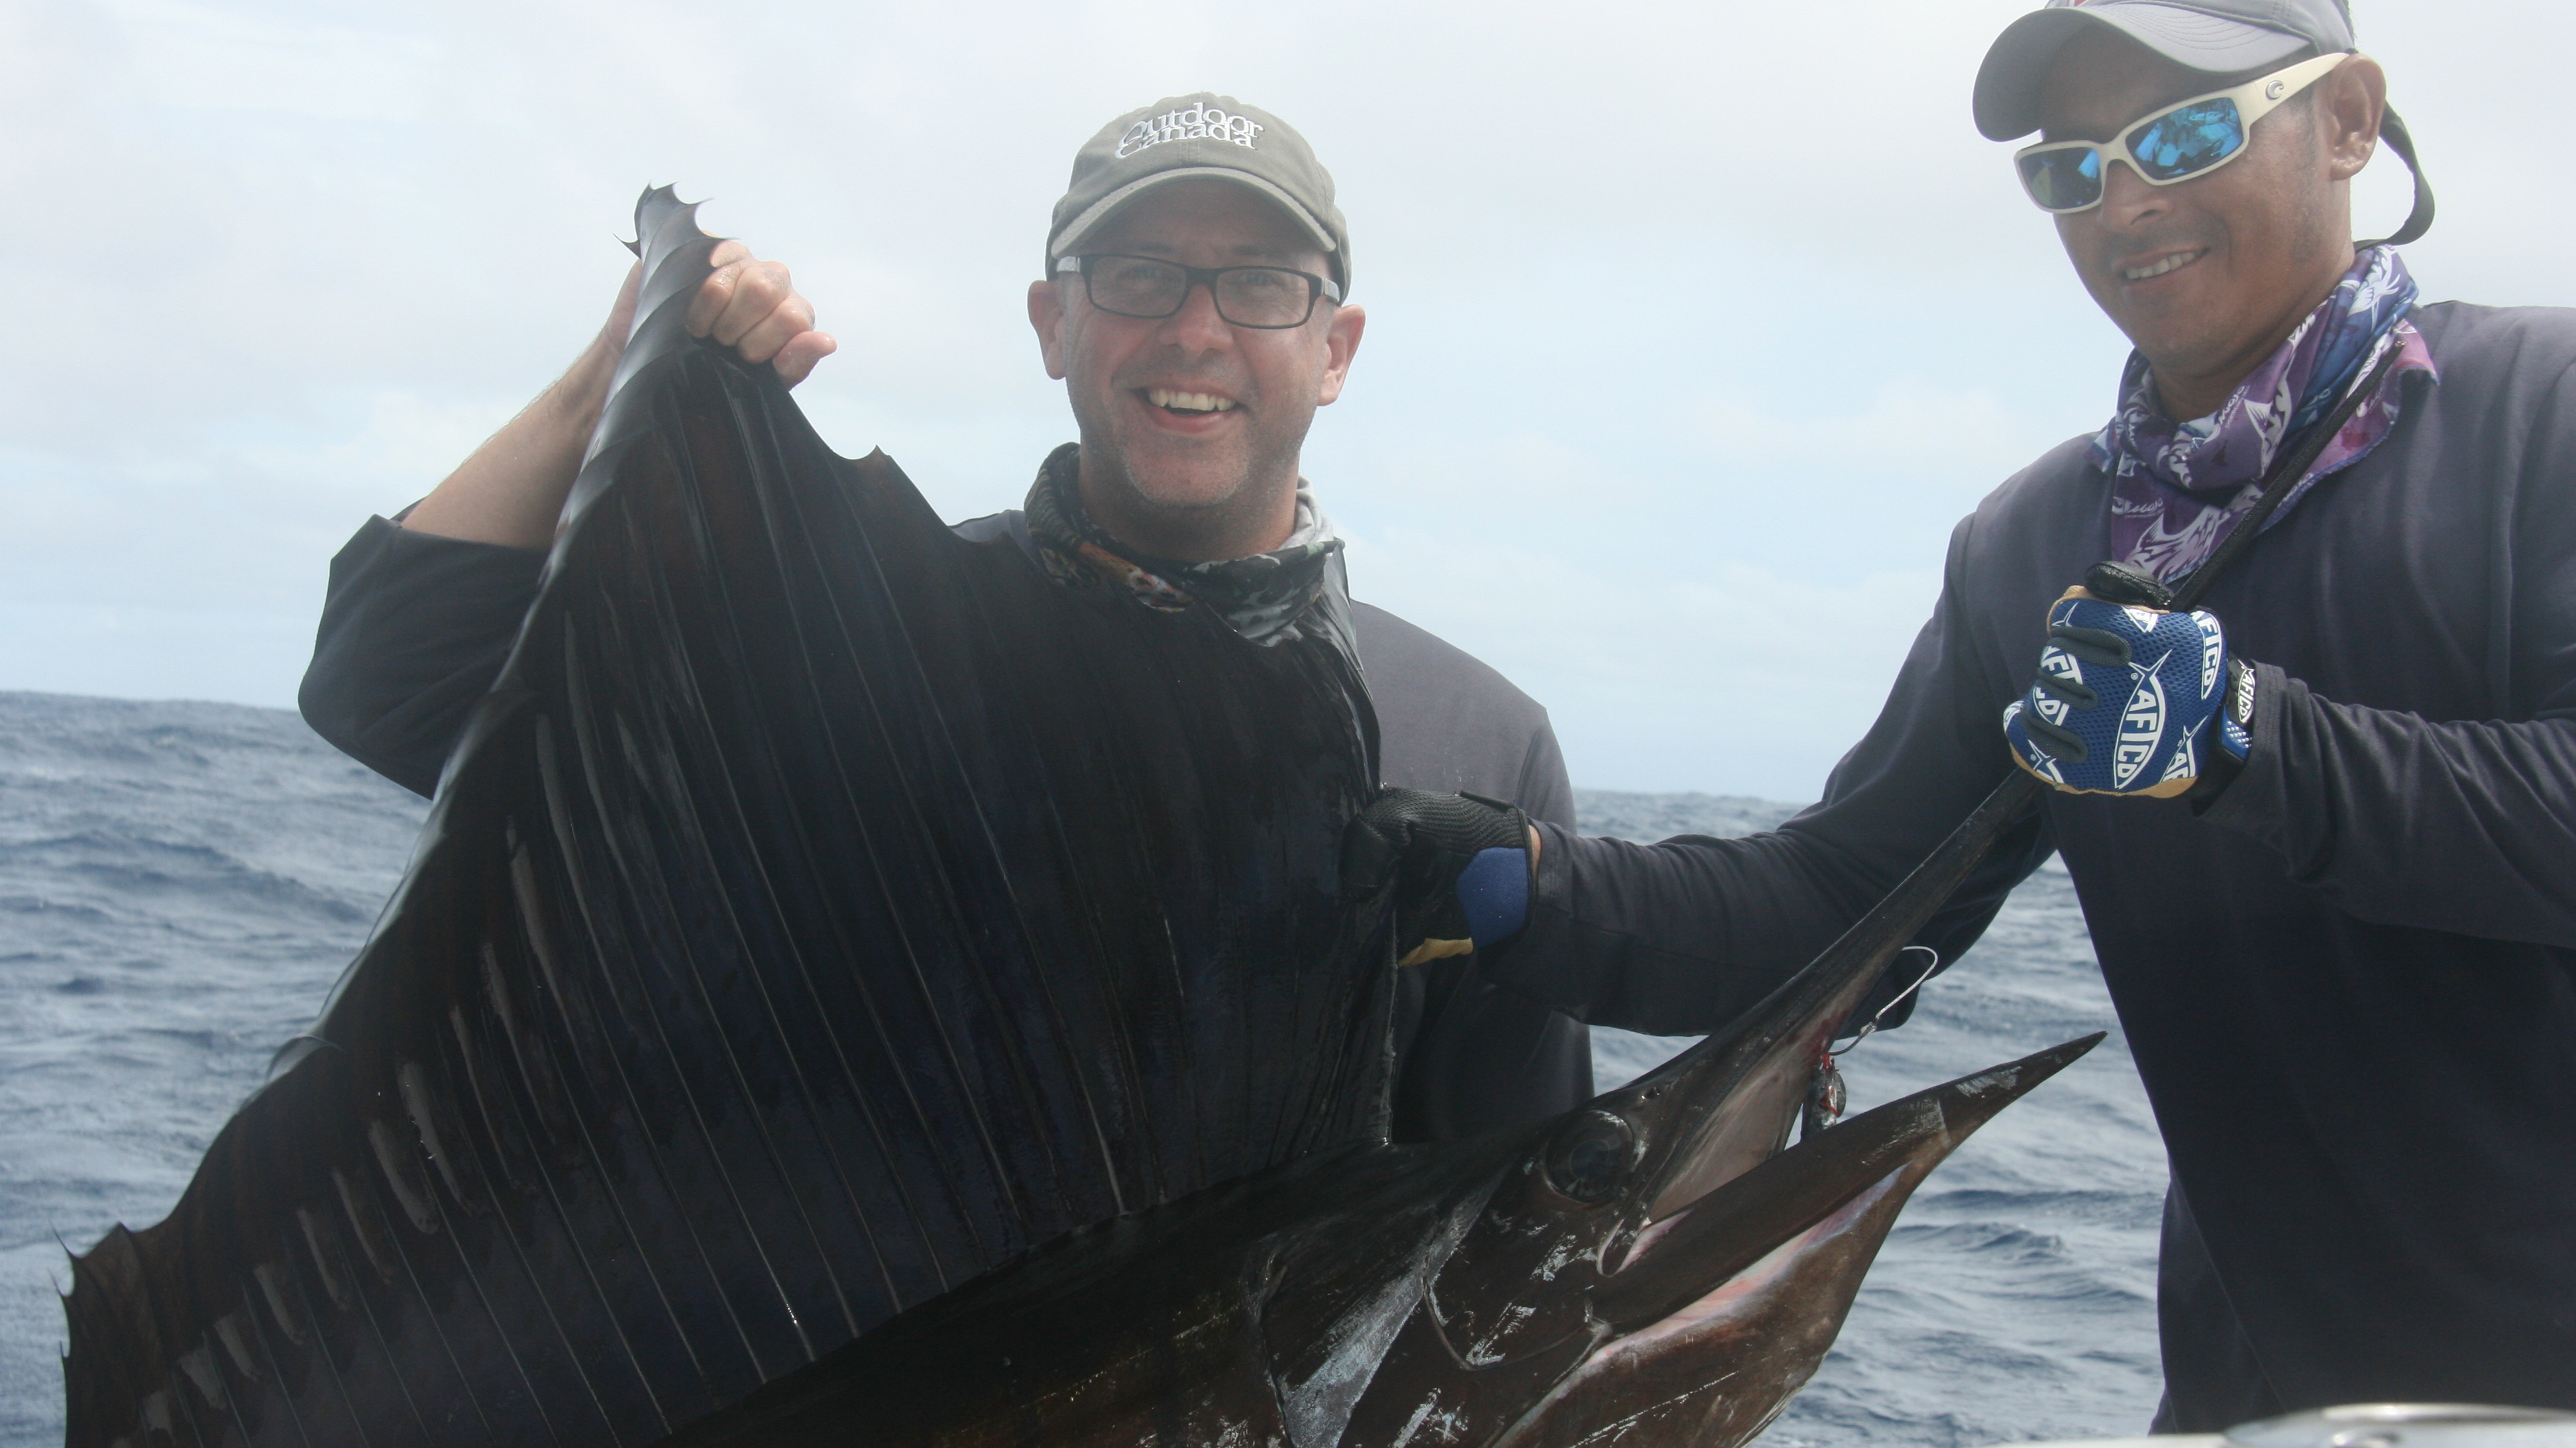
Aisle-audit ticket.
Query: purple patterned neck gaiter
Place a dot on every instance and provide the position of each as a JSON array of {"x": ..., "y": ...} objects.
[{"x": 2178, "y": 488}]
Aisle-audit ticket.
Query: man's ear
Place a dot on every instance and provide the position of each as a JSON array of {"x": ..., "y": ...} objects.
[
  {"x": 2350, "y": 102},
  {"x": 1341, "y": 341},
  {"x": 1046, "y": 314}
]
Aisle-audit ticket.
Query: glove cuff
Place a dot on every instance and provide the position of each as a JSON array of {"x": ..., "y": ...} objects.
[
  {"x": 2231, "y": 735},
  {"x": 1493, "y": 893},
  {"x": 2236, "y": 711}
]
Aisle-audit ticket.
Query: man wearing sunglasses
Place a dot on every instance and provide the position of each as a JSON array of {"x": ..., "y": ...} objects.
[
  {"x": 1192, "y": 301},
  {"x": 2324, "y": 829}
]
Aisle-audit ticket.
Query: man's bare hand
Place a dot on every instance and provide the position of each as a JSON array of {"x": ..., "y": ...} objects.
[
  {"x": 753, "y": 307},
  {"x": 512, "y": 489}
]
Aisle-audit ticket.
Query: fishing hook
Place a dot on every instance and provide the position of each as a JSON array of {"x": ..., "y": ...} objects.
[
  {"x": 1870, "y": 1026},
  {"x": 1825, "y": 1089}
]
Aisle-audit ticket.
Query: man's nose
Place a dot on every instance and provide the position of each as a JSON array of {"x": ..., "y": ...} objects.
[
  {"x": 2127, "y": 199},
  {"x": 1196, "y": 325}
]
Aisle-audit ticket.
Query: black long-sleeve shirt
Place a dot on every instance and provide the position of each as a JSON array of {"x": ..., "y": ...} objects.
[
  {"x": 2350, "y": 986},
  {"x": 416, "y": 627}
]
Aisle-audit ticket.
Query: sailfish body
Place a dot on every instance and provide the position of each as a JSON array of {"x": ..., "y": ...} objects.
[{"x": 821, "y": 911}]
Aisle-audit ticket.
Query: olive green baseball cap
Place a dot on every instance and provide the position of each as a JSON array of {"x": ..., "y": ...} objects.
[{"x": 1199, "y": 135}]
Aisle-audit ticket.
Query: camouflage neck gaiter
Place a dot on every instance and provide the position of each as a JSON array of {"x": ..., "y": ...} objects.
[{"x": 1269, "y": 598}]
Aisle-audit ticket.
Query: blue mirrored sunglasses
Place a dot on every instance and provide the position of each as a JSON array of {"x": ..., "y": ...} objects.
[{"x": 2177, "y": 143}]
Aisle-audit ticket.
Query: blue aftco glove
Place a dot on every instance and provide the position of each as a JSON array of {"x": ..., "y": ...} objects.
[{"x": 2130, "y": 699}]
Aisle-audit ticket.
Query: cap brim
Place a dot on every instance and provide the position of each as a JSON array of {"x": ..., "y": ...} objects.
[
  {"x": 2016, "y": 65},
  {"x": 1099, "y": 211}
]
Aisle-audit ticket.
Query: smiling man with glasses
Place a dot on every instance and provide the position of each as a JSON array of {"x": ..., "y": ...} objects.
[
  {"x": 1192, "y": 300},
  {"x": 2323, "y": 828}
]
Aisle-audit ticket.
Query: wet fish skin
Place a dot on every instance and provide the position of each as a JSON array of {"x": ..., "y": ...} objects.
[
  {"x": 1145, "y": 1329},
  {"x": 1295, "y": 1308}
]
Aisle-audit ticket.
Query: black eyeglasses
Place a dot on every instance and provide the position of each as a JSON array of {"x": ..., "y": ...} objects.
[{"x": 1149, "y": 288}]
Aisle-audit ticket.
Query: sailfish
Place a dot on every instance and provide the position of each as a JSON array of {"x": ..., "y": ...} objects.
[{"x": 852, "y": 989}]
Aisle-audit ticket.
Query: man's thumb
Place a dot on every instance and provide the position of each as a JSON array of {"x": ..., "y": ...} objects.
[{"x": 1369, "y": 858}]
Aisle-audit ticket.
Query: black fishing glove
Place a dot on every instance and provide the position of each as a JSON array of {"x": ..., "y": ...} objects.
[{"x": 1459, "y": 864}]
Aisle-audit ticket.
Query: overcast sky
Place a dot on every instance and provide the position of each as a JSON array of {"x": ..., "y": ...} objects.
[{"x": 1693, "y": 327}]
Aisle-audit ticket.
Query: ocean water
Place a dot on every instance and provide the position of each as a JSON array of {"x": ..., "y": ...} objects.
[{"x": 181, "y": 883}]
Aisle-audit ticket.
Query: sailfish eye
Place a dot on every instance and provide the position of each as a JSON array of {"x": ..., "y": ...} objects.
[{"x": 1590, "y": 1156}]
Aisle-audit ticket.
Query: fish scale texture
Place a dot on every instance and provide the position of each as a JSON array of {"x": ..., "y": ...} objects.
[{"x": 822, "y": 911}]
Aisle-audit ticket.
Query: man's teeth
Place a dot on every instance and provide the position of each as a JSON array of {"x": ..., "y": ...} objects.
[
  {"x": 1188, "y": 401},
  {"x": 2141, "y": 273}
]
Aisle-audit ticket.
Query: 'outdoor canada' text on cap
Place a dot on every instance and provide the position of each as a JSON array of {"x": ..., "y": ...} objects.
[{"x": 1199, "y": 135}]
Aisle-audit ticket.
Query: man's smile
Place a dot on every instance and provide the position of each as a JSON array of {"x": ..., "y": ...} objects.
[
  {"x": 1187, "y": 402},
  {"x": 2169, "y": 262},
  {"x": 1190, "y": 408}
]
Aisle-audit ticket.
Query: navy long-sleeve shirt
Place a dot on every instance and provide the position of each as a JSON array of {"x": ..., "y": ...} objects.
[{"x": 2350, "y": 986}]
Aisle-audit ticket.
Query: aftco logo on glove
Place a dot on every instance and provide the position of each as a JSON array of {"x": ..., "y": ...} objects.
[{"x": 2121, "y": 698}]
